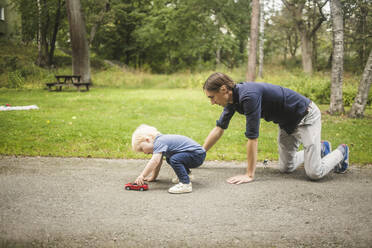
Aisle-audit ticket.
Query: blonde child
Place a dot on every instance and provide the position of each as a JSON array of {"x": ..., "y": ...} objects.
[{"x": 181, "y": 152}]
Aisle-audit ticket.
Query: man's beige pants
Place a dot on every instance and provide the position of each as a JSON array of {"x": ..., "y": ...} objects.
[{"x": 307, "y": 133}]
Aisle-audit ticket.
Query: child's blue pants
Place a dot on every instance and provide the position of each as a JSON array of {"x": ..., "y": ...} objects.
[{"x": 183, "y": 161}]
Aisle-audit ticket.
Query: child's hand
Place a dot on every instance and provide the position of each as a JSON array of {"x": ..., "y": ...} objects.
[
  {"x": 139, "y": 180},
  {"x": 150, "y": 179}
]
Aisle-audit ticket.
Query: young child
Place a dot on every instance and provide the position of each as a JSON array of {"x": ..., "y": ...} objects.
[{"x": 182, "y": 153}]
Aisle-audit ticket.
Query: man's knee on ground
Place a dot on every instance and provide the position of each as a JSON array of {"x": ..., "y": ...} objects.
[
  {"x": 286, "y": 168},
  {"x": 314, "y": 175}
]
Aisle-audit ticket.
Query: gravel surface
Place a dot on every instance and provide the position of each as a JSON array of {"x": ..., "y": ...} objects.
[{"x": 75, "y": 202}]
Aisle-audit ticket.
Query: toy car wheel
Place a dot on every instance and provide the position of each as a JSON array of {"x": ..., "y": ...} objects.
[
  {"x": 127, "y": 188},
  {"x": 141, "y": 189}
]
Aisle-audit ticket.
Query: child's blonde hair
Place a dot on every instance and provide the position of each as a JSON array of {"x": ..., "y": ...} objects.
[{"x": 142, "y": 132}]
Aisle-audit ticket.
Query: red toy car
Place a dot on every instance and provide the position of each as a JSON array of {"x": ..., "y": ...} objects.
[{"x": 134, "y": 186}]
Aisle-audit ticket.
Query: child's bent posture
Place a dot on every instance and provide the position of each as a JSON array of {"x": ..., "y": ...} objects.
[{"x": 181, "y": 152}]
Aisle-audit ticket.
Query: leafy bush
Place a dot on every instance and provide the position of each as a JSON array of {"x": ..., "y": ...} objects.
[
  {"x": 15, "y": 79},
  {"x": 291, "y": 63},
  {"x": 8, "y": 63},
  {"x": 62, "y": 60},
  {"x": 98, "y": 64},
  {"x": 316, "y": 87}
]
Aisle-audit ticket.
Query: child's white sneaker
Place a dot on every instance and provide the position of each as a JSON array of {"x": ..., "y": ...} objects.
[
  {"x": 176, "y": 180},
  {"x": 181, "y": 188}
]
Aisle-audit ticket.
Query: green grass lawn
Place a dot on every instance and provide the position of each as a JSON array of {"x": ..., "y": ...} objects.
[{"x": 99, "y": 123}]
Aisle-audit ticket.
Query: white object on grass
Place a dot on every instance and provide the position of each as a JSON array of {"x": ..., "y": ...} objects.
[{"x": 3, "y": 108}]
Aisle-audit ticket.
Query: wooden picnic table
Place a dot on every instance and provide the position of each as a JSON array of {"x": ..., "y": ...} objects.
[{"x": 67, "y": 80}]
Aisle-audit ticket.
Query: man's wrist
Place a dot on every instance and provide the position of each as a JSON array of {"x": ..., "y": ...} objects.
[{"x": 249, "y": 175}]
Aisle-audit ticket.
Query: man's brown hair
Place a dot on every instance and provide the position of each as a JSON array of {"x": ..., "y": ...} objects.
[{"x": 216, "y": 80}]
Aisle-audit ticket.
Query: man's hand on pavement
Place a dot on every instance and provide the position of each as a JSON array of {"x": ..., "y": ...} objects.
[{"x": 239, "y": 179}]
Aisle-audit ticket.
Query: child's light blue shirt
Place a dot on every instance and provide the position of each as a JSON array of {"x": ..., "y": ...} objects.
[{"x": 169, "y": 144}]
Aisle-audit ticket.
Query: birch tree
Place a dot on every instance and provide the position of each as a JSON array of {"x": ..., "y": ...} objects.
[
  {"x": 79, "y": 42},
  {"x": 359, "y": 105},
  {"x": 251, "y": 70},
  {"x": 336, "y": 102},
  {"x": 261, "y": 45}
]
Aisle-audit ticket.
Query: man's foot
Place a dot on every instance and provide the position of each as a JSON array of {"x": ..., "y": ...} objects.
[
  {"x": 325, "y": 148},
  {"x": 344, "y": 164},
  {"x": 176, "y": 180},
  {"x": 181, "y": 188}
]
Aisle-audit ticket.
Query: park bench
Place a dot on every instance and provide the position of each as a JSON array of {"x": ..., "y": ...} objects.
[{"x": 67, "y": 80}]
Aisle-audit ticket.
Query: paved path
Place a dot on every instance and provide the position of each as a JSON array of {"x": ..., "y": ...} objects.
[{"x": 72, "y": 202}]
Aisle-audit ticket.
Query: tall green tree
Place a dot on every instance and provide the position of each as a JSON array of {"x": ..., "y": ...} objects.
[
  {"x": 96, "y": 14},
  {"x": 307, "y": 28},
  {"x": 358, "y": 32},
  {"x": 40, "y": 23},
  {"x": 115, "y": 38},
  {"x": 165, "y": 36}
]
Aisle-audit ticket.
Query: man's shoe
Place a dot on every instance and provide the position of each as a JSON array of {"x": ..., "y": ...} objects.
[
  {"x": 344, "y": 164},
  {"x": 181, "y": 188},
  {"x": 325, "y": 148},
  {"x": 176, "y": 180}
]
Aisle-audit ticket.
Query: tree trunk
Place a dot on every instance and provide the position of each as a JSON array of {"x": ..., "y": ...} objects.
[
  {"x": 261, "y": 49},
  {"x": 314, "y": 38},
  {"x": 251, "y": 70},
  {"x": 43, "y": 58},
  {"x": 357, "y": 110},
  {"x": 306, "y": 52},
  {"x": 336, "y": 104},
  {"x": 55, "y": 31},
  {"x": 362, "y": 31},
  {"x": 315, "y": 52},
  {"x": 79, "y": 42},
  {"x": 292, "y": 44},
  {"x": 285, "y": 52},
  {"x": 218, "y": 56},
  {"x": 39, "y": 33}
]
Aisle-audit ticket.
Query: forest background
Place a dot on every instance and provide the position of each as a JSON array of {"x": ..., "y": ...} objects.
[{"x": 172, "y": 44}]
